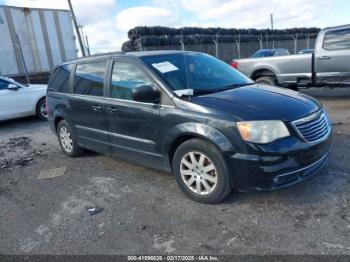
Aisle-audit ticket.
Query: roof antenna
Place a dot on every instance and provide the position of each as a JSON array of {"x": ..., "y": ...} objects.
[{"x": 190, "y": 93}]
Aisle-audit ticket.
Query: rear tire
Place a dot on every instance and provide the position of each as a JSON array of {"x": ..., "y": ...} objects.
[
  {"x": 41, "y": 110},
  {"x": 201, "y": 171},
  {"x": 67, "y": 139},
  {"x": 267, "y": 80}
]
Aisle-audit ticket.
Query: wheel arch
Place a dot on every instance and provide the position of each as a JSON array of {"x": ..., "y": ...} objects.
[
  {"x": 262, "y": 72},
  {"x": 58, "y": 115},
  {"x": 36, "y": 102},
  {"x": 57, "y": 120},
  {"x": 187, "y": 131}
]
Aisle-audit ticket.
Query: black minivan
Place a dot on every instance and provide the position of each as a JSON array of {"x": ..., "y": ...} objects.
[{"x": 192, "y": 115}]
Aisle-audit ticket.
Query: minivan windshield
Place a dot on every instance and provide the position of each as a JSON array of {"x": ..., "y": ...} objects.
[{"x": 200, "y": 72}]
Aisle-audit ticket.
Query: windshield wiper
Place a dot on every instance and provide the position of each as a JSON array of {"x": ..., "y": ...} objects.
[
  {"x": 208, "y": 91},
  {"x": 235, "y": 86},
  {"x": 204, "y": 91}
]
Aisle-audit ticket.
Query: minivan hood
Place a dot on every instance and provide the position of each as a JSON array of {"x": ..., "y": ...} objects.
[{"x": 260, "y": 102}]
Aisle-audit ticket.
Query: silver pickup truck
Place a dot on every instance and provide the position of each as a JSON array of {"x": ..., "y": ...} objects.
[{"x": 329, "y": 65}]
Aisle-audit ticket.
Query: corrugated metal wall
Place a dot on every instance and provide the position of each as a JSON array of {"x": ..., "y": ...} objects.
[{"x": 45, "y": 36}]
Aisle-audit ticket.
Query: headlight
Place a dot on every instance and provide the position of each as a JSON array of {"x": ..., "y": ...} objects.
[{"x": 262, "y": 132}]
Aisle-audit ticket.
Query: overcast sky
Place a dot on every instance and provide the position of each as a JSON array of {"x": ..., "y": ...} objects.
[{"x": 106, "y": 22}]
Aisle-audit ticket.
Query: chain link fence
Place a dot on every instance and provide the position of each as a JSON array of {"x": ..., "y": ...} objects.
[{"x": 225, "y": 44}]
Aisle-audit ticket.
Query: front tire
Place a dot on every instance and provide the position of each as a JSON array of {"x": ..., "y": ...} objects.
[
  {"x": 201, "y": 171},
  {"x": 67, "y": 139}
]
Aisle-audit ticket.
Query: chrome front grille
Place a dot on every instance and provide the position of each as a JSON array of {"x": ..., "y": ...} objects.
[{"x": 313, "y": 128}]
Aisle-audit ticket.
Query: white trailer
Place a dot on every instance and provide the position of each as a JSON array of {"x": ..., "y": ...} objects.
[{"x": 34, "y": 40}]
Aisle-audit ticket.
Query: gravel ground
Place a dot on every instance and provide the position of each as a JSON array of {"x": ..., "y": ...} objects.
[{"x": 45, "y": 197}]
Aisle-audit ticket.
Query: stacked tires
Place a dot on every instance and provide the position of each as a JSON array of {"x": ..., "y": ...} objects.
[{"x": 143, "y": 36}]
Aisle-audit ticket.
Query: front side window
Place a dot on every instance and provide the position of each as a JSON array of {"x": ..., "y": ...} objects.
[
  {"x": 3, "y": 84},
  {"x": 337, "y": 40},
  {"x": 200, "y": 72},
  {"x": 59, "y": 80},
  {"x": 125, "y": 77},
  {"x": 89, "y": 78}
]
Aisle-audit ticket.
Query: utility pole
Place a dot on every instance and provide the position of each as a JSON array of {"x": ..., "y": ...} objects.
[
  {"x": 271, "y": 18},
  {"x": 84, "y": 37},
  {"x": 18, "y": 45},
  {"x": 76, "y": 28}
]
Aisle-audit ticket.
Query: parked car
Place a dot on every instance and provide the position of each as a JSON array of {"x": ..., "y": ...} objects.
[
  {"x": 17, "y": 100},
  {"x": 306, "y": 51},
  {"x": 270, "y": 52},
  {"x": 190, "y": 114},
  {"x": 328, "y": 65}
]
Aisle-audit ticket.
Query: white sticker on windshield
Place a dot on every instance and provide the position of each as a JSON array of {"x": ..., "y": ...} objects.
[{"x": 165, "y": 67}]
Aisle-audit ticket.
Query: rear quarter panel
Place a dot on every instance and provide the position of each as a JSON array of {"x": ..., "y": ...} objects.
[{"x": 36, "y": 96}]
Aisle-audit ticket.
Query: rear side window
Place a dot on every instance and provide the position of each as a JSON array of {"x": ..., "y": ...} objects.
[
  {"x": 89, "y": 77},
  {"x": 59, "y": 80},
  {"x": 337, "y": 39},
  {"x": 125, "y": 77}
]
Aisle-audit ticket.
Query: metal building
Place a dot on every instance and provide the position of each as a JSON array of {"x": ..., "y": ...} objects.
[{"x": 34, "y": 40}]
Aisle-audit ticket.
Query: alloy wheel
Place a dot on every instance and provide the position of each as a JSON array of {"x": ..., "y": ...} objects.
[
  {"x": 66, "y": 140},
  {"x": 198, "y": 173}
]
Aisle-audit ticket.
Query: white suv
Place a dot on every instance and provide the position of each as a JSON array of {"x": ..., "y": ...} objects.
[{"x": 17, "y": 100}]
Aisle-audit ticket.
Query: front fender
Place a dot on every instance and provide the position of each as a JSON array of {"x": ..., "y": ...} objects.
[{"x": 198, "y": 130}]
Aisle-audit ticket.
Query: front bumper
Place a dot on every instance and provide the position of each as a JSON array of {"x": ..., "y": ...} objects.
[{"x": 284, "y": 164}]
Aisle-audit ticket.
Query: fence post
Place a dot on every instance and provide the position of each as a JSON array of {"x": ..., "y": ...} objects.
[
  {"x": 238, "y": 43},
  {"x": 308, "y": 41},
  {"x": 295, "y": 43},
  {"x": 216, "y": 42},
  {"x": 182, "y": 43},
  {"x": 139, "y": 43},
  {"x": 260, "y": 41}
]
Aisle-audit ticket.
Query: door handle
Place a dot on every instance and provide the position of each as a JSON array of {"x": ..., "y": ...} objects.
[
  {"x": 96, "y": 107},
  {"x": 324, "y": 57},
  {"x": 112, "y": 109}
]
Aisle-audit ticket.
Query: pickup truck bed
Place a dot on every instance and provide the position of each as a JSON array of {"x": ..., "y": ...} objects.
[{"x": 328, "y": 65}]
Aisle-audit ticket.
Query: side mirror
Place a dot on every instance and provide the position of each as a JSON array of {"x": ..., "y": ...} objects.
[
  {"x": 146, "y": 94},
  {"x": 12, "y": 87}
]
